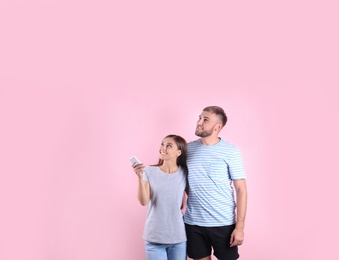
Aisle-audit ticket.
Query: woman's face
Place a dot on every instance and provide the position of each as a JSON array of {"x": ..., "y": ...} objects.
[{"x": 169, "y": 149}]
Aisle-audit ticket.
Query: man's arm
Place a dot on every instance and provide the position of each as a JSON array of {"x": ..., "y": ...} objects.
[{"x": 237, "y": 236}]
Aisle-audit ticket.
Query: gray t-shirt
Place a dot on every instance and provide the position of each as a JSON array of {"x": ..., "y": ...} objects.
[{"x": 164, "y": 222}]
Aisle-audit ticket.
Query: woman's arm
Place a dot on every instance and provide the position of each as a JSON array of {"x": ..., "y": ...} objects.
[
  {"x": 143, "y": 186},
  {"x": 143, "y": 192}
]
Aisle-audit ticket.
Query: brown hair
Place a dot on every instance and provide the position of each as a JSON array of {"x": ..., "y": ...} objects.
[
  {"x": 219, "y": 112},
  {"x": 182, "y": 146}
]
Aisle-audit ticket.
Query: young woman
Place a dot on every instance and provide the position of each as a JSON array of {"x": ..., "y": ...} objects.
[{"x": 162, "y": 187}]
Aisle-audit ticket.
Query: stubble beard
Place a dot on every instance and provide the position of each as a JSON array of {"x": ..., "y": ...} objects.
[{"x": 204, "y": 133}]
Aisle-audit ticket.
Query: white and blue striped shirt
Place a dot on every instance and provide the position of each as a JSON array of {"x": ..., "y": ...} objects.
[{"x": 211, "y": 170}]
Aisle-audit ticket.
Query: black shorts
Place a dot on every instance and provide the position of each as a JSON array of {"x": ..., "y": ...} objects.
[{"x": 200, "y": 241}]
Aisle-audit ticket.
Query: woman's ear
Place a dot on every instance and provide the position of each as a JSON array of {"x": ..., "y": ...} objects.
[{"x": 179, "y": 153}]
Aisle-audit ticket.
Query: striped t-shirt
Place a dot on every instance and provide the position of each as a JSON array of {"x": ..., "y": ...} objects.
[{"x": 211, "y": 170}]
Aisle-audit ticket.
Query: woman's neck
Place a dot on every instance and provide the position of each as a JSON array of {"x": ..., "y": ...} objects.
[{"x": 169, "y": 167}]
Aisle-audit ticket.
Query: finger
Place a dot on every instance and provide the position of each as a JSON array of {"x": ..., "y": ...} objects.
[
  {"x": 234, "y": 243},
  {"x": 138, "y": 170},
  {"x": 134, "y": 165},
  {"x": 237, "y": 242},
  {"x": 138, "y": 166},
  {"x": 232, "y": 239}
]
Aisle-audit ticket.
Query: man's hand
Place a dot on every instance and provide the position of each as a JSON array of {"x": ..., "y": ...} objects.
[{"x": 237, "y": 237}]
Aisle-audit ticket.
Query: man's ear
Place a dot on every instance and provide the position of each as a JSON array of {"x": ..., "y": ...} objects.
[{"x": 218, "y": 127}]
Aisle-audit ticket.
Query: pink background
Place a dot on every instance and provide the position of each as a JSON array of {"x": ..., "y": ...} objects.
[{"x": 84, "y": 85}]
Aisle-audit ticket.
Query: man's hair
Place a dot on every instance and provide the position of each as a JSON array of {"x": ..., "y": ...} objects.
[{"x": 219, "y": 112}]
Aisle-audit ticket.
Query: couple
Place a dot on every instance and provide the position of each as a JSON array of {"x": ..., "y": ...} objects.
[{"x": 213, "y": 219}]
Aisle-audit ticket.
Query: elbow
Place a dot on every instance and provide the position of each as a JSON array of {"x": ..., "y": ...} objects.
[{"x": 143, "y": 201}]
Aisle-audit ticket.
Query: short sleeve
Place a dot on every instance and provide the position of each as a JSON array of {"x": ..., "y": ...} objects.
[{"x": 236, "y": 166}]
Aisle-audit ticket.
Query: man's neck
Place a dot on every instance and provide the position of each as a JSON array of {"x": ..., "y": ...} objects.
[{"x": 210, "y": 140}]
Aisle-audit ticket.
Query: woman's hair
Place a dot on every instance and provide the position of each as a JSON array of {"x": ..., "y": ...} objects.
[{"x": 182, "y": 146}]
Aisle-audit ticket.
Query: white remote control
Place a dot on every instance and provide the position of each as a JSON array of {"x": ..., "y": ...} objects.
[{"x": 135, "y": 160}]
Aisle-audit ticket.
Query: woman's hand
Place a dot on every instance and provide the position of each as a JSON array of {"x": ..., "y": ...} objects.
[{"x": 138, "y": 169}]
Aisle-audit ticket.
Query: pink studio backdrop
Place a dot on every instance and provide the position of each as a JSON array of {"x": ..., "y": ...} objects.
[{"x": 84, "y": 85}]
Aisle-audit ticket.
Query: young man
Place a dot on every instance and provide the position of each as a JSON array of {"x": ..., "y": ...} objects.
[{"x": 213, "y": 219}]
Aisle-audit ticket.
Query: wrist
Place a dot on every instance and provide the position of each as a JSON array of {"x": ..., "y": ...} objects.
[{"x": 239, "y": 226}]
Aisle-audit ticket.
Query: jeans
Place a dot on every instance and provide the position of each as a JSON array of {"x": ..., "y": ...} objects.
[{"x": 155, "y": 251}]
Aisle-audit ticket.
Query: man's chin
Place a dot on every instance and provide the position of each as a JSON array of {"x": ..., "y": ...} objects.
[{"x": 200, "y": 134}]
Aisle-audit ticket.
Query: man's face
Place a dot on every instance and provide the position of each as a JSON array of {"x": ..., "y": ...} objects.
[{"x": 206, "y": 124}]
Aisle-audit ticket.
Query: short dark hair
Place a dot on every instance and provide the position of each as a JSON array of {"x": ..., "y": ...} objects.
[{"x": 219, "y": 112}]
